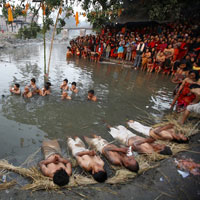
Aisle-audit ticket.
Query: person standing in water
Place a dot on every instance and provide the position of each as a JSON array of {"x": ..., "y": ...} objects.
[
  {"x": 33, "y": 87},
  {"x": 15, "y": 89},
  {"x": 74, "y": 88},
  {"x": 91, "y": 95}
]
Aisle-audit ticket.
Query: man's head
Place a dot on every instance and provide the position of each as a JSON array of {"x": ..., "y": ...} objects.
[
  {"x": 130, "y": 163},
  {"x": 100, "y": 176},
  {"x": 61, "y": 177},
  {"x": 91, "y": 93},
  {"x": 65, "y": 82},
  {"x": 166, "y": 151},
  {"x": 33, "y": 81},
  {"x": 16, "y": 86},
  {"x": 73, "y": 85}
]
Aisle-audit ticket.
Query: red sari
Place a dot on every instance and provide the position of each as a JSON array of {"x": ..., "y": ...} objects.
[{"x": 185, "y": 97}]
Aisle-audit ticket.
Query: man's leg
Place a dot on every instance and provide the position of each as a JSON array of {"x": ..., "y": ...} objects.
[
  {"x": 185, "y": 116},
  {"x": 139, "y": 61},
  {"x": 136, "y": 60}
]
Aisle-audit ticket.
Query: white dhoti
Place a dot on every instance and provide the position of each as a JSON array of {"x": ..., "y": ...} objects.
[
  {"x": 140, "y": 128},
  {"x": 97, "y": 143},
  {"x": 76, "y": 146},
  {"x": 121, "y": 134}
]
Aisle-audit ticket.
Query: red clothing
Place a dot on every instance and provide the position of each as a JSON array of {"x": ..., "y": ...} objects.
[{"x": 185, "y": 97}]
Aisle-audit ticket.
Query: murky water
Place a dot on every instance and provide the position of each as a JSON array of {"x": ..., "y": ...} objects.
[{"x": 122, "y": 94}]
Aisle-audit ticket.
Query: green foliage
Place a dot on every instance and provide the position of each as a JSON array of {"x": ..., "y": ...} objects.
[{"x": 29, "y": 32}]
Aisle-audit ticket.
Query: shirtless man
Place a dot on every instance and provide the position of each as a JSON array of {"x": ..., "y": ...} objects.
[
  {"x": 88, "y": 160},
  {"x": 54, "y": 166},
  {"x": 166, "y": 132},
  {"x": 33, "y": 87},
  {"x": 27, "y": 93},
  {"x": 160, "y": 59},
  {"x": 120, "y": 156},
  {"x": 64, "y": 86},
  {"x": 91, "y": 95},
  {"x": 46, "y": 90},
  {"x": 139, "y": 144},
  {"x": 74, "y": 88},
  {"x": 15, "y": 89}
]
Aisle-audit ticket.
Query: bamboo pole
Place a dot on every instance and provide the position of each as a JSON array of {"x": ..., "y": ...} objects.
[
  {"x": 54, "y": 31},
  {"x": 44, "y": 40}
]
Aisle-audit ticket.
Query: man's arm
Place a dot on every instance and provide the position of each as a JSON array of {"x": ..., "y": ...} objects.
[
  {"x": 116, "y": 149},
  {"x": 44, "y": 169},
  {"x": 145, "y": 140},
  {"x": 157, "y": 131}
]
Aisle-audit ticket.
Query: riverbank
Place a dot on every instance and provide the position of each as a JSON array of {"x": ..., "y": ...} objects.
[{"x": 163, "y": 182}]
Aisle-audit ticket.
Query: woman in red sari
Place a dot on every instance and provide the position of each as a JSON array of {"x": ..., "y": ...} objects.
[{"x": 184, "y": 97}]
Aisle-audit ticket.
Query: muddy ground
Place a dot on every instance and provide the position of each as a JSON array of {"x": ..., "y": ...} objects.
[{"x": 162, "y": 182}]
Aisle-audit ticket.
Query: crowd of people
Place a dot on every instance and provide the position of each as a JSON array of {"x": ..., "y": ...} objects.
[
  {"x": 172, "y": 48},
  {"x": 159, "y": 48},
  {"x": 32, "y": 89}
]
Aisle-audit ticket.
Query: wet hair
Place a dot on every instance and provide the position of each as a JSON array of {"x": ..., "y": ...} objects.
[
  {"x": 33, "y": 80},
  {"x": 91, "y": 91},
  {"x": 180, "y": 141},
  {"x": 196, "y": 74},
  {"x": 166, "y": 151},
  {"x": 46, "y": 86},
  {"x": 17, "y": 85},
  {"x": 74, "y": 83},
  {"x": 61, "y": 178},
  {"x": 133, "y": 168},
  {"x": 48, "y": 83},
  {"x": 193, "y": 86},
  {"x": 66, "y": 80},
  {"x": 100, "y": 176}
]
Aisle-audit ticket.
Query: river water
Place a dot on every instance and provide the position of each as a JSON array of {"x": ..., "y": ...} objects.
[{"x": 122, "y": 94}]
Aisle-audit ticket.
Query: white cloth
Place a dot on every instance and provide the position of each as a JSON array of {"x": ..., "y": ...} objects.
[
  {"x": 140, "y": 47},
  {"x": 98, "y": 143},
  {"x": 194, "y": 108},
  {"x": 76, "y": 145},
  {"x": 140, "y": 128},
  {"x": 122, "y": 134}
]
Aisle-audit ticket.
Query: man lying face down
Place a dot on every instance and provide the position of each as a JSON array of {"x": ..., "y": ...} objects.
[
  {"x": 166, "y": 132},
  {"x": 54, "y": 166},
  {"x": 117, "y": 156},
  {"x": 88, "y": 160},
  {"x": 139, "y": 144}
]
